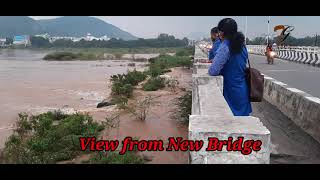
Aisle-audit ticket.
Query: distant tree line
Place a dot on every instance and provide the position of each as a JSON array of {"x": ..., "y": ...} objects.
[
  {"x": 290, "y": 41},
  {"x": 163, "y": 40}
]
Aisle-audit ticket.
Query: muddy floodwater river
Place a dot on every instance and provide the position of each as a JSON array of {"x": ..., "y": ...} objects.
[{"x": 30, "y": 84}]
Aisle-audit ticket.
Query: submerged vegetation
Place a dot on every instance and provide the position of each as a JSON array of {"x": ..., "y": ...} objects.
[{"x": 122, "y": 84}]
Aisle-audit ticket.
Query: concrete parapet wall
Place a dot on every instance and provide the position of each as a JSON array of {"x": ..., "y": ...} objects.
[
  {"x": 300, "y": 107},
  {"x": 222, "y": 127}
]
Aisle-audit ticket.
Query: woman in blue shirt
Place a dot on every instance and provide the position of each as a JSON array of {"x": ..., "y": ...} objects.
[{"x": 230, "y": 62}]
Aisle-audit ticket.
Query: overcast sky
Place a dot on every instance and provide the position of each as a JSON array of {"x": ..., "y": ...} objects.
[{"x": 181, "y": 26}]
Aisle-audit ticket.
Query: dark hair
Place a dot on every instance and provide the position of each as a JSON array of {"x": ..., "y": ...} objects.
[
  {"x": 214, "y": 30},
  {"x": 229, "y": 28}
]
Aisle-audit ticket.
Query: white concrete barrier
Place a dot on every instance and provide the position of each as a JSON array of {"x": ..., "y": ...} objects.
[
  {"x": 297, "y": 56},
  {"x": 318, "y": 62},
  {"x": 291, "y": 57},
  {"x": 300, "y": 107},
  {"x": 314, "y": 59},
  {"x": 304, "y": 57}
]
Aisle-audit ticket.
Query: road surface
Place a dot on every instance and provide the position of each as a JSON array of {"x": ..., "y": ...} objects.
[{"x": 300, "y": 76}]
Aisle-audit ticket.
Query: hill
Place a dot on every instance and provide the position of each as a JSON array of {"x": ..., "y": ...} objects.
[
  {"x": 64, "y": 26},
  {"x": 18, "y": 25},
  {"x": 81, "y": 25}
]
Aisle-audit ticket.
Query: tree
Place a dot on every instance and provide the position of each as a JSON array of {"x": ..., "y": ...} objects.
[
  {"x": 163, "y": 40},
  {"x": 39, "y": 42},
  {"x": 9, "y": 41}
]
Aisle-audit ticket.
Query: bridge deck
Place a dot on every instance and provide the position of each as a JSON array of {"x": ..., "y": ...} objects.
[{"x": 300, "y": 76}]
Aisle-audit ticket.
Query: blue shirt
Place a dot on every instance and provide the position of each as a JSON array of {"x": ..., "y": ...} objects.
[
  {"x": 232, "y": 67},
  {"x": 213, "y": 50}
]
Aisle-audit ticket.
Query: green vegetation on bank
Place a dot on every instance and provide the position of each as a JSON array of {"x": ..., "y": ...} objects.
[
  {"x": 163, "y": 40},
  {"x": 154, "y": 84},
  {"x": 68, "y": 56},
  {"x": 49, "y": 137},
  {"x": 122, "y": 84},
  {"x": 184, "y": 104},
  {"x": 65, "y": 54},
  {"x": 163, "y": 63},
  {"x": 114, "y": 158},
  {"x": 53, "y": 137},
  {"x": 137, "y": 50}
]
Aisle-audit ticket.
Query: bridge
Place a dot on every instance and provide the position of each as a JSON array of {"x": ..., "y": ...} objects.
[{"x": 287, "y": 121}]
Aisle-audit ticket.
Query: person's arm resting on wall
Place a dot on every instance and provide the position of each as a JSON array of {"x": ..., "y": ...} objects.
[
  {"x": 211, "y": 54},
  {"x": 221, "y": 58}
]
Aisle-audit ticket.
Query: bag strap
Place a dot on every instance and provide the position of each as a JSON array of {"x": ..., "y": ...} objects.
[
  {"x": 247, "y": 57},
  {"x": 249, "y": 62}
]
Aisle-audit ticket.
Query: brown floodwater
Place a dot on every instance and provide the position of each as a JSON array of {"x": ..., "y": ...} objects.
[{"x": 29, "y": 84}]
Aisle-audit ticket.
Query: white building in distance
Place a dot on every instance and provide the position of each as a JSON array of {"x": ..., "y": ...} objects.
[
  {"x": 22, "y": 40},
  {"x": 3, "y": 42}
]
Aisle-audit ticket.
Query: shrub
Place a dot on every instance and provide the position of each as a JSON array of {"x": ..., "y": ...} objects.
[
  {"x": 185, "y": 52},
  {"x": 132, "y": 77},
  {"x": 132, "y": 64},
  {"x": 141, "y": 108},
  {"x": 155, "y": 70},
  {"x": 121, "y": 101},
  {"x": 118, "y": 56},
  {"x": 120, "y": 89},
  {"x": 123, "y": 83},
  {"x": 61, "y": 56},
  {"x": 162, "y": 63},
  {"x": 114, "y": 158},
  {"x": 135, "y": 77},
  {"x": 184, "y": 104},
  {"x": 154, "y": 84},
  {"x": 48, "y": 138}
]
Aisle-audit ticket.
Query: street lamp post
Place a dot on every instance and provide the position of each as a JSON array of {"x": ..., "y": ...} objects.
[{"x": 268, "y": 30}]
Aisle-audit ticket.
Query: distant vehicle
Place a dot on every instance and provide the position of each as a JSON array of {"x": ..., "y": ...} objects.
[{"x": 270, "y": 54}]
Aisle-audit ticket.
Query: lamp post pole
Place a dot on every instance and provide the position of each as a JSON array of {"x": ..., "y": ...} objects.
[{"x": 268, "y": 30}]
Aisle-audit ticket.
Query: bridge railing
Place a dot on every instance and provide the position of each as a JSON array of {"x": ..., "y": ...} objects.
[
  {"x": 300, "y": 54},
  {"x": 212, "y": 117}
]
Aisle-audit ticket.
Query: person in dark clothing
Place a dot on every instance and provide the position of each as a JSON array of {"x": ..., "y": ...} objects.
[{"x": 215, "y": 43}]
